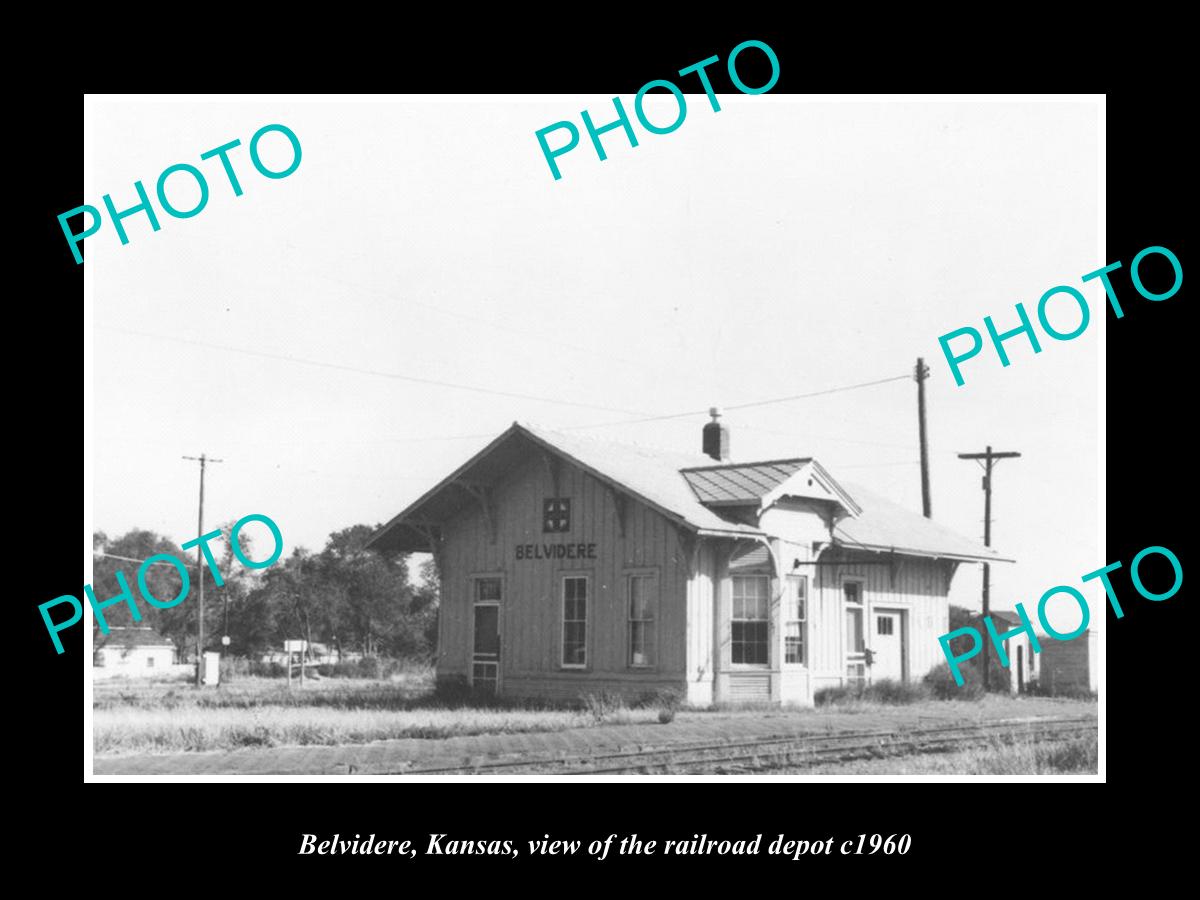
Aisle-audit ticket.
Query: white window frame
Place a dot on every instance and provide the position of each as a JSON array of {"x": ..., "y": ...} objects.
[
  {"x": 586, "y": 578},
  {"x": 855, "y": 657},
  {"x": 765, "y": 579},
  {"x": 790, "y": 581},
  {"x": 651, "y": 575}
]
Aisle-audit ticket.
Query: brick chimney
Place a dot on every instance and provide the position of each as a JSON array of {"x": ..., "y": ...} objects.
[{"x": 716, "y": 437}]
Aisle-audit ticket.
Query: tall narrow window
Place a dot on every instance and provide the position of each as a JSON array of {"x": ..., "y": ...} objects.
[
  {"x": 748, "y": 625},
  {"x": 643, "y": 600},
  {"x": 795, "y": 620},
  {"x": 854, "y": 630},
  {"x": 574, "y": 641},
  {"x": 856, "y": 670},
  {"x": 485, "y": 659}
]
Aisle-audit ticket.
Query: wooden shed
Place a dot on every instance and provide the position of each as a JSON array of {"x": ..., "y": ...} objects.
[
  {"x": 571, "y": 565},
  {"x": 1069, "y": 666}
]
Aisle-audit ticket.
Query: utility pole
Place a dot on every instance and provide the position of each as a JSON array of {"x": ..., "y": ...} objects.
[
  {"x": 989, "y": 460},
  {"x": 203, "y": 460},
  {"x": 922, "y": 372}
]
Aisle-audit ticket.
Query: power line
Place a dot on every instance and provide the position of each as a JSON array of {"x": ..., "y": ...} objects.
[
  {"x": 907, "y": 462},
  {"x": 756, "y": 403},
  {"x": 547, "y": 339},
  {"x": 281, "y": 357},
  {"x": 826, "y": 437},
  {"x": 491, "y": 391},
  {"x": 321, "y": 364},
  {"x": 837, "y": 390}
]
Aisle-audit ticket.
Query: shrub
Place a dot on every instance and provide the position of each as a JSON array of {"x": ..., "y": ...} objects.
[
  {"x": 828, "y": 696},
  {"x": 667, "y": 698},
  {"x": 941, "y": 681},
  {"x": 666, "y": 716},
  {"x": 896, "y": 693},
  {"x": 453, "y": 690},
  {"x": 603, "y": 705},
  {"x": 885, "y": 691},
  {"x": 265, "y": 669}
]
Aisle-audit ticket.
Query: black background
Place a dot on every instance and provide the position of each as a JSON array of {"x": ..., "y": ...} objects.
[{"x": 251, "y": 831}]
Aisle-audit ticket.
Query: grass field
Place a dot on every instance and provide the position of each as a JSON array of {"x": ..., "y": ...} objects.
[
  {"x": 260, "y": 712},
  {"x": 263, "y": 718},
  {"x": 1078, "y": 756}
]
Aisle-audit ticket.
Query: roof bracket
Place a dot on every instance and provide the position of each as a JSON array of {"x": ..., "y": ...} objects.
[
  {"x": 432, "y": 536},
  {"x": 484, "y": 496},
  {"x": 689, "y": 546},
  {"x": 621, "y": 502}
]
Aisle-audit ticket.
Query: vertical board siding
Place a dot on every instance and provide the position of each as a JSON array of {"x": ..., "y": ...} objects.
[
  {"x": 701, "y": 602},
  {"x": 919, "y": 586},
  {"x": 692, "y": 627},
  {"x": 531, "y": 604}
]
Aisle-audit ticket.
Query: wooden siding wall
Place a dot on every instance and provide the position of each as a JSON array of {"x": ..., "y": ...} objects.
[
  {"x": 531, "y": 604},
  {"x": 918, "y": 585},
  {"x": 701, "y": 594},
  {"x": 1068, "y": 664}
]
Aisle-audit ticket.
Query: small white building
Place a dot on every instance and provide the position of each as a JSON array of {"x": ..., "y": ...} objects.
[{"x": 134, "y": 652}]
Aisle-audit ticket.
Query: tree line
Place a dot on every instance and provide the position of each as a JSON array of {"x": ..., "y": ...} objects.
[{"x": 344, "y": 596}]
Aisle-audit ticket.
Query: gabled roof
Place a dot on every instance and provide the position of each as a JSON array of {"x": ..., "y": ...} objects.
[
  {"x": 649, "y": 475},
  {"x": 680, "y": 486},
  {"x": 120, "y": 636},
  {"x": 884, "y": 526},
  {"x": 762, "y": 484}
]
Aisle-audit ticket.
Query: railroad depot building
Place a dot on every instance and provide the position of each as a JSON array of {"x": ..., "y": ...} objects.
[{"x": 571, "y": 565}]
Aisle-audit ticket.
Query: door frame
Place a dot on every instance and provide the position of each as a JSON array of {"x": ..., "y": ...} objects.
[
  {"x": 853, "y": 657},
  {"x": 902, "y": 613},
  {"x": 475, "y": 604}
]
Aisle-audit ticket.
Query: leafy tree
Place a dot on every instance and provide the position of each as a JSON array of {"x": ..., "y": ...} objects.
[
  {"x": 370, "y": 594},
  {"x": 164, "y": 582},
  {"x": 972, "y": 669},
  {"x": 344, "y": 595}
]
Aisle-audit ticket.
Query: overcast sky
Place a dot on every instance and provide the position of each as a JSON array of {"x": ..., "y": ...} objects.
[{"x": 778, "y": 247}]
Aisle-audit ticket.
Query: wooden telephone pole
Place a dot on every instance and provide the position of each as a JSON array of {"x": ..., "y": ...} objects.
[
  {"x": 922, "y": 372},
  {"x": 989, "y": 458},
  {"x": 203, "y": 460}
]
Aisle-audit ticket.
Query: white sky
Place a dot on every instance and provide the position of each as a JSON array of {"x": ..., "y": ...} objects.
[{"x": 774, "y": 248}]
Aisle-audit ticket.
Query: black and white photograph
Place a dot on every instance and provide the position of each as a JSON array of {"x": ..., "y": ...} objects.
[{"x": 524, "y": 436}]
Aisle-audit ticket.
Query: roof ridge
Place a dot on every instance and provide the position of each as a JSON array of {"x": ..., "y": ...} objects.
[
  {"x": 743, "y": 465},
  {"x": 635, "y": 445}
]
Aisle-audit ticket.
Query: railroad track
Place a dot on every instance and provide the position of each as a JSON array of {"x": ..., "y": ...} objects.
[{"x": 774, "y": 750}]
